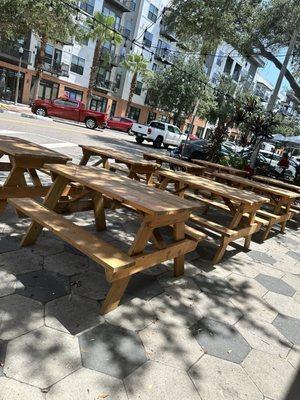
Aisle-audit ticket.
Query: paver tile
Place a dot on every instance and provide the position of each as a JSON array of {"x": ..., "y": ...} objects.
[
  {"x": 275, "y": 285},
  {"x": 283, "y": 304},
  {"x": 255, "y": 308},
  {"x": 292, "y": 280},
  {"x": 294, "y": 255},
  {"x": 3, "y": 345},
  {"x": 269, "y": 270},
  {"x": 66, "y": 263},
  {"x": 214, "y": 286},
  {"x": 173, "y": 311},
  {"x": 9, "y": 243},
  {"x": 90, "y": 284},
  {"x": 270, "y": 373},
  {"x": 14, "y": 390},
  {"x": 264, "y": 336},
  {"x": 289, "y": 327},
  {"x": 159, "y": 381},
  {"x": 72, "y": 314},
  {"x": 296, "y": 297},
  {"x": 112, "y": 350},
  {"x": 287, "y": 265},
  {"x": 43, "y": 285},
  {"x": 246, "y": 286},
  {"x": 174, "y": 346},
  {"x": 8, "y": 283},
  {"x": 223, "y": 380},
  {"x": 42, "y": 357},
  {"x": 220, "y": 340},
  {"x": 86, "y": 384},
  {"x": 240, "y": 264},
  {"x": 20, "y": 261},
  {"x": 143, "y": 287},
  {"x": 261, "y": 256},
  {"x": 134, "y": 314},
  {"x": 48, "y": 245},
  {"x": 294, "y": 357},
  {"x": 19, "y": 315}
]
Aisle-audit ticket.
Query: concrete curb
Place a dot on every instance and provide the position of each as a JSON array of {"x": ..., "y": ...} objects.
[{"x": 33, "y": 116}]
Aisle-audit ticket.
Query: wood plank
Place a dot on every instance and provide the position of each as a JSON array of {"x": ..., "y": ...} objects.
[
  {"x": 126, "y": 191},
  {"x": 97, "y": 249},
  {"x": 179, "y": 234},
  {"x": 212, "y": 225},
  {"x": 219, "y": 167},
  {"x": 19, "y": 192},
  {"x": 276, "y": 182},
  {"x": 174, "y": 161}
]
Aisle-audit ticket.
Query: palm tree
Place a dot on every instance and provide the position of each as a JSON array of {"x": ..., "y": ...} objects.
[
  {"x": 136, "y": 65},
  {"x": 99, "y": 31}
]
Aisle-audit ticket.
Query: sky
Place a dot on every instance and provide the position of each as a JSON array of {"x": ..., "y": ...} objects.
[{"x": 270, "y": 73}]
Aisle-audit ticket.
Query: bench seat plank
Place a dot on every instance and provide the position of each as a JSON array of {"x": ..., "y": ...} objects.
[{"x": 94, "y": 247}]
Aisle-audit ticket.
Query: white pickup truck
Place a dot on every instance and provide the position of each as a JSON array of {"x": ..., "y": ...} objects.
[{"x": 160, "y": 133}]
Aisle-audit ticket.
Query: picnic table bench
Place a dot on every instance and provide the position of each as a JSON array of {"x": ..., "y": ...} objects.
[
  {"x": 24, "y": 157},
  {"x": 240, "y": 204},
  {"x": 280, "y": 200},
  {"x": 214, "y": 167},
  {"x": 156, "y": 209},
  {"x": 135, "y": 167},
  {"x": 175, "y": 162}
]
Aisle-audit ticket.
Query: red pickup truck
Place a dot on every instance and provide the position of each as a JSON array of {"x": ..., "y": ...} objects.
[{"x": 69, "y": 109}]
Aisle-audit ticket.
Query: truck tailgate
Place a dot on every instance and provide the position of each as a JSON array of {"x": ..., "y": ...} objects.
[{"x": 139, "y": 128}]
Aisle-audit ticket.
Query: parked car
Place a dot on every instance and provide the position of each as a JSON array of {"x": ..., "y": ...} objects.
[
  {"x": 159, "y": 133},
  {"x": 273, "y": 161},
  {"x": 69, "y": 109},
  {"x": 120, "y": 124},
  {"x": 196, "y": 150}
]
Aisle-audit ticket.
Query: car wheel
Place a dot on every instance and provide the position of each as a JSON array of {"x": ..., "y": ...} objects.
[
  {"x": 158, "y": 142},
  {"x": 166, "y": 146},
  {"x": 90, "y": 123},
  {"x": 139, "y": 140},
  {"x": 41, "y": 111}
]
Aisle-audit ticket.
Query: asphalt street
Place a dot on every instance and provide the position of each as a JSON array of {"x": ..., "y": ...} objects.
[{"x": 65, "y": 137}]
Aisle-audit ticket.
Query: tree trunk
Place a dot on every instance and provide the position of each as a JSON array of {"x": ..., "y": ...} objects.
[
  {"x": 94, "y": 72},
  {"x": 131, "y": 92},
  {"x": 256, "y": 148},
  {"x": 39, "y": 66},
  {"x": 220, "y": 133}
]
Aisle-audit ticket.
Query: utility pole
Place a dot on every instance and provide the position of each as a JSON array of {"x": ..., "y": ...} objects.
[
  {"x": 194, "y": 115},
  {"x": 21, "y": 51}
]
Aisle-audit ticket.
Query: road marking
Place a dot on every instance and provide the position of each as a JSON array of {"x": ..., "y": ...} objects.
[
  {"x": 58, "y": 145},
  {"x": 7, "y": 132}
]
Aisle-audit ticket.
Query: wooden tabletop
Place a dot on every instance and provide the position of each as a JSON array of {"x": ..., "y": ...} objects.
[
  {"x": 257, "y": 185},
  {"x": 172, "y": 160},
  {"x": 21, "y": 148},
  {"x": 277, "y": 182},
  {"x": 220, "y": 166},
  {"x": 120, "y": 156},
  {"x": 125, "y": 190},
  {"x": 216, "y": 188}
]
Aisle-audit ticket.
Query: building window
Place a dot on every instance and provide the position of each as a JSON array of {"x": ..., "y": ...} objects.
[
  {"x": 134, "y": 113},
  {"x": 99, "y": 104},
  {"x": 138, "y": 88},
  {"x": 77, "y": 65},
  {"x": 200, "y": 131},
  {"x": 151, "y": 117},
  {"x": 148, "y": 39},
  {"x": 220, "y": 58},
  {"x": 153, "y": 13},
  {"x": 47, "y": 90},
  {"x": 154, "y": 67},
  {"x": 88, "y": 6},
  {"x": 113, "y": 108},
  {"x": 74, "y": 94},
  {"x": 228, "y": 66},
  {"x": 118, "y": 81},
  {"x": 237, "y": 72}
]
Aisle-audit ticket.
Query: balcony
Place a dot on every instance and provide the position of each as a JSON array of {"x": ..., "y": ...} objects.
[
  {"x": 165, "y": 56},
  {"x": 55, "y": 68},
  {"x": 167, "y": 33},
  {"x": 123, "y": 31},
  {"x": 123, "y": 5},
  {"x": 110, "y": 57},
  {"x": 104, "y": 85},
  {"x": 10, "y": 52}
]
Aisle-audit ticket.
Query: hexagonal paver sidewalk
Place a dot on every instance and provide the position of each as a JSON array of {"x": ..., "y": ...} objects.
[
  {"x": 112, "y": 350},
  {"x": 66, "y": 263},
  {"x": 275, "y": 285},
  {"x": 13, "y": 390},
  {"x": 289, "y": 327},
  {"x": 43, "y": 285},
  {"x": 42, "y": 357},
  {"x": 221, "y": 340}
]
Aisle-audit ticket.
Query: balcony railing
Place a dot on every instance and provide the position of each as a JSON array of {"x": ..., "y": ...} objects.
[
  {"x": 10, "y": 51},
  {"x": 55, "y": 68},
  {"x": 167, "y": 32},
  {"x": 165, "y": 56},
  {"x": 123, "y": 5},
  {"x": 111, "y": 57},
  {"x": 123, "y": 31},
  {"x": 104, "y": 85}
]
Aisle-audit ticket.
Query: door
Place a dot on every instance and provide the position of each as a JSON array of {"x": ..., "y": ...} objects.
[
  {"x": 170, "y": 135},
  {"x": 115, "y": 123},
  {"x": 178, "y": 136},
  {"x": 71, "y": 110},
  {"x": 57, "y": 109}
]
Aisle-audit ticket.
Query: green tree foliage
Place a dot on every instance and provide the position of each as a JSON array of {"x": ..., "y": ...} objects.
[
  {"x": 251, "y": 26},
  {"x": 136, "y": 65},
  {"x": 98, "y": 30},
  {"x": 177, "y": 88}
]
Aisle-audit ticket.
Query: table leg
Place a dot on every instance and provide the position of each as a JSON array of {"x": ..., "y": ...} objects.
[
  {"x": 283, "y": 224},
  {"x": 34, "y": 177},
  {"x": 85, "y": 158},
  {"x": 179, "y": 234},
  {"x": 15, "y": 178},
  {"x": 140, "y": 242},
  {"x": 99, "y": 212},
  {"x": 248, "y": 238},
  {"x": 114, "y": 295},
  {"x": 50, "y": 202}
]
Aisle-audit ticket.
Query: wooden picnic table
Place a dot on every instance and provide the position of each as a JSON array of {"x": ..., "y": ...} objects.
[
  {"x": 156, "y": 209},
  {"x": 276, "y": 182},
  {"x": 175, "y": 162},
  {"x": 214, "y": 167},
  {"x": 240, "y": 204},
  {"x": 280, "y": 199},
  {"x": 135, "y": 166},
  {"x": 24, "y": 157}
]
